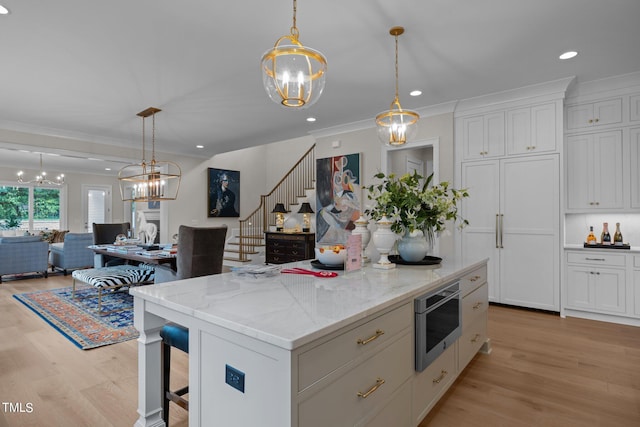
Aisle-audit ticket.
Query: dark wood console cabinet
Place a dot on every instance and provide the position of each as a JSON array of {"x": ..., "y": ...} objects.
[{"x": 289, "y": 247}]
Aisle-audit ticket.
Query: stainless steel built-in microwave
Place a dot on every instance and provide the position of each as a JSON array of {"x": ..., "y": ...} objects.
[{"x": 438, "y": 317}]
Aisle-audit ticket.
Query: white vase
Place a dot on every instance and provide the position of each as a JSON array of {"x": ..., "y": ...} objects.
[
  {"x": 363, "y": 230},
  {"x": 384, "y": 240},
  {"x": 413, "y": 247}
]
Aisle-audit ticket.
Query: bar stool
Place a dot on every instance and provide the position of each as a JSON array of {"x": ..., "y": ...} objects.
[
  {"x": 200, "y": 253},
  {"x": 172, "y": 336}
]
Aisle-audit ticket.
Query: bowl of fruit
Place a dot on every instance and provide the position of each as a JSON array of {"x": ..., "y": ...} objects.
[{"x": 331, "y": 254}]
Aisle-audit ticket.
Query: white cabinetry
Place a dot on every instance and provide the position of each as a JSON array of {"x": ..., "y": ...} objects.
[
  {"x": 634, "y": 108},
  {"x": 483, "y": 136},
  {"x": 474, "y": 321},
  {"x": 634, "y": 145},
  {"x": 596, "y": 282},
  {"x": 636, "y": 285},
  {"x": 531, "y": 129},
  {"x": 356, "y": 373},
  {"x": 593, "y": 114},
  {"x": 513, "y": 213},
  {"x": 595, "y": 171}
]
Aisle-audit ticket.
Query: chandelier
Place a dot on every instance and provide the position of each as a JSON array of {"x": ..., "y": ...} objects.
[
  {"x": 149, "y": 181},
  {"x": 292, "y": 74},
  {"x": 41, "y": 178},
  {"x": 397, "y": 125}
]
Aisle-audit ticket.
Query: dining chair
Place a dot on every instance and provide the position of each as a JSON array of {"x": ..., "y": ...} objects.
[
  {"x": 200, "y": 253},
  {"x": 105, "y": 234}
]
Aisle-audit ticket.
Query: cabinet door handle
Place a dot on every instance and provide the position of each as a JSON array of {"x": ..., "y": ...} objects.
[
  {"x": 366, "y": 394},
  {"x": 501, "y": 229},
  {"x": 443, "y": 374},
  {"x": 475, "y": 339},
  {"x": 596, "y": 120},
  {"x": 378, "y": 334},
  {"x": 477, "y": 305},
  {"x": 497, "y": 232},
  {"x": 474, "y": 278},
  {"x": 594, "y": 259}
]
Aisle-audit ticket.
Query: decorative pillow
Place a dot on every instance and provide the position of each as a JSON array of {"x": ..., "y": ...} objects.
[
  {"x": 58, "y": 236},
  {"x": 53, "y": 236}
]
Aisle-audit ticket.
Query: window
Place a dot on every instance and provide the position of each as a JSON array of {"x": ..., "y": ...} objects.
[{"x": 32, "y": 209}]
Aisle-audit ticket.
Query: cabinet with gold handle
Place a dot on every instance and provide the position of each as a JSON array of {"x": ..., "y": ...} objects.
[
  {"x": 365, "y": 341},
  {"x": 438, "y": 380},
  {"x": 377, "y": 385}
]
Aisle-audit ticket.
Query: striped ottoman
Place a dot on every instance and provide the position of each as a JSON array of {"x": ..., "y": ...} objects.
[{"x": 113, "y": 278}]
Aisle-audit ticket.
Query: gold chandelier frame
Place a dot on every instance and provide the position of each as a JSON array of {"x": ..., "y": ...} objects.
[{"x": 151, "y": 180}]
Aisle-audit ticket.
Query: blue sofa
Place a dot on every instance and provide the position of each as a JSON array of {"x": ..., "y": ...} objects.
[
  {"x": 72, "y": 253},
  {"x": 23, "y": 254}
]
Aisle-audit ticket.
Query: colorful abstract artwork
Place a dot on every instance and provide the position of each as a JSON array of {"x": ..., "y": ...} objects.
[{"x": 337, "y": 197}]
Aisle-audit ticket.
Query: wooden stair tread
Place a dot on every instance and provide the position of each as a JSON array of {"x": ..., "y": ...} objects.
[
  {"x": 237, "y": 251},
  {"x": 236, "y": 259}
]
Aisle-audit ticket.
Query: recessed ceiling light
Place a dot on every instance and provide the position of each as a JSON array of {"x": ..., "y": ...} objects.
[
  {"x": 568, "y": 55},
  {"x": 107, "y": 169},
  {"x": 311, "y": 119},
  {"x": 415, "y": 93},
  {"x": 3, "y": 10},
  {"x": 199, "y": 146}
]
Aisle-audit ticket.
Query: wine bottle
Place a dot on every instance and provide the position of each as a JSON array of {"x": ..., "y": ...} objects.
[
  {"x": 617, "y": 236},
  {"x": 591, "y": 238},
  {"x": 605, "y": 237}
]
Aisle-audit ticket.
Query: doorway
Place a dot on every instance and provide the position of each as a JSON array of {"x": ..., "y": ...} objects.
[{"x": 96, "y": 205}]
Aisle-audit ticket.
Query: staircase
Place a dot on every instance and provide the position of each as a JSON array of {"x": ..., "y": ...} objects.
[{"x": 249, "y": 240}]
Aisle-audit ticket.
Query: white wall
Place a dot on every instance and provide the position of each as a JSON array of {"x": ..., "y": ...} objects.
[{"x": 263, "y": 166}]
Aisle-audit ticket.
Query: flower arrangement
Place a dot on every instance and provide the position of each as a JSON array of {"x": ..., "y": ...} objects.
[{"x": 411, "y": 203}]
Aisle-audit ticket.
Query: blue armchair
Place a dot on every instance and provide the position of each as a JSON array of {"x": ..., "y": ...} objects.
[
  {"x": 73, "y": 252},
  {"x": 23, "y": 254}
]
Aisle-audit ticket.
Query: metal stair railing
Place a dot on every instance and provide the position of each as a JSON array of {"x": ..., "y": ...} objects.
[{"x": 293, "y": 185}]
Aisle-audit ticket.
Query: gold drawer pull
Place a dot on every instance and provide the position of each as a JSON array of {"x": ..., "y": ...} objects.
[
  {"x": 477, "y": 305},
  {"x": 475, "y": 339},
  {"x": 379, "y": 332},
  {"x": 443, "y": 374},
  {"x": 474, "y": 278},
  {"x": 379, "y": 382}
]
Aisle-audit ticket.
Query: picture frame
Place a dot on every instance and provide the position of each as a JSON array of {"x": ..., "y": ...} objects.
[
  {"x": 338, "y": 196},
  {"x": 223, "y": 198}
]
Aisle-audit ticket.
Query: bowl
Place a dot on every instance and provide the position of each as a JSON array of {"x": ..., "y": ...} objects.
[{"x": 331, "y": 254}]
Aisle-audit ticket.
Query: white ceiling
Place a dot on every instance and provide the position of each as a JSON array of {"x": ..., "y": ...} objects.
[{"x": 83, "y": 69}]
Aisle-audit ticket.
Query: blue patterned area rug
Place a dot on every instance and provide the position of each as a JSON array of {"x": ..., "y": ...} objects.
[{"x": 78, "y": 319}]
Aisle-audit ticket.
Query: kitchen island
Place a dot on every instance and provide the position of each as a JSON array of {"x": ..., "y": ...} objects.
[{"x": 299, "y": 351}]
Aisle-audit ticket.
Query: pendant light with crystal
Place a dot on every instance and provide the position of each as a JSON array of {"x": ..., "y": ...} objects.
[
  {"x": 292, "y": 74},
  {"x": 153, "y": 181},
  {"x": 397, "y": 125}
]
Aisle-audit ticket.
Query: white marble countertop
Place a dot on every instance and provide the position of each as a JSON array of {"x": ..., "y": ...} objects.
[
  {"x": 634, "y": 249},
  {"x": 290, "y": 310}
]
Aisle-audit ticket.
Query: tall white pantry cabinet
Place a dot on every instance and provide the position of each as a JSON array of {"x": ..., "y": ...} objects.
[{"x": 514, "y": 182}]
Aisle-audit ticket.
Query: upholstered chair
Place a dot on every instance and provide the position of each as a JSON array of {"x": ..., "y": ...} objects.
[
  {"x": 200, "y": 253},
  {"x": 105, "y": 234}
]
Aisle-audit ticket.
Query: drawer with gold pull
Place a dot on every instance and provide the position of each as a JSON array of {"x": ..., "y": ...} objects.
[
  {"x": 359, "y": 391},
  {"x": 472, "y": 280},
  {"x": 320, "y": 361}
]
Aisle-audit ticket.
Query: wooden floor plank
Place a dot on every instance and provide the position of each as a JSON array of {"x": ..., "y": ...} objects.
[{"x": 543, "y": 371}]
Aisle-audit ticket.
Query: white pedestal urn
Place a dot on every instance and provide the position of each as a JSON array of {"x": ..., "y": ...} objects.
[
  {"x": 361, "y": 229},
  {"x": 413, "y": 246},
  {"x": 384, "y": 239}
]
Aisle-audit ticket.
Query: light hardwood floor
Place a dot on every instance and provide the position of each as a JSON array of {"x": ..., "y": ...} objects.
[{"x": 543, "y": 371}]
